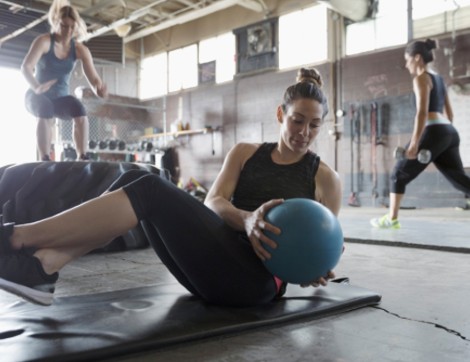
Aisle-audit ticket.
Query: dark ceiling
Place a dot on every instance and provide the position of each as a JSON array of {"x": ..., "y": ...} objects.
[{"x": 22, "y": 21}]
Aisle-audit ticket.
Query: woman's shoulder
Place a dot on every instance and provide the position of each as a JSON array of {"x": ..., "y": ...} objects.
[
  {"x": 44, "y": 39},
  {"x": 243, "y": 151},
  {"x": 423, "y": 75},
  {"x": 326, "y": 174},
  {"x": 81, "y": 49},
  {"x": 244, "y": 148},
  {"x": 328, "y": 187},
  {"x": 45, "y": 36},
  {"x": 433, "y": 72},
  {"x": 41, "y": 43},
  {"x": 424, "y": 79}
]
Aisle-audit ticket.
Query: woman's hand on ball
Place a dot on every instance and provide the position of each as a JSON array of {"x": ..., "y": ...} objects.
[
  {"x": 255, "y": 226},
  {"x": 323, "y": 281}
]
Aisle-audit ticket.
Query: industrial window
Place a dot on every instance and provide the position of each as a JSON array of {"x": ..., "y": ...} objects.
[
  {"x": 221, "y": 50},
  {"x": 153, "y": 76},
  {"x": 303, "y": 37},
  {"x": 426, "y": 8},
  {"x": 431, "y": 18},
  {"x": 182, "y": 68},
  {"x": 388, "y": 28}
]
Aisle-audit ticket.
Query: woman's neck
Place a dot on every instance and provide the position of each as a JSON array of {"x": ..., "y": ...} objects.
[
  {"x": 284, "y": 155},
  {"x": 421, "y": 70},
  {"x": 61, "y": 39}
]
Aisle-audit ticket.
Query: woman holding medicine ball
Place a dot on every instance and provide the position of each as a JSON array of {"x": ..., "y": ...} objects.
[{"x": 216, "y": 249}]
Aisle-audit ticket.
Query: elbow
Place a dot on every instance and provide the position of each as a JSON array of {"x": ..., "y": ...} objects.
[
  {"x": 422, "y": 116},
  {"x": 450, "y": 116},
  {"x": 213, "y": 202},
  {"x": 26, "y": 69},
  {"x": 209, "y": 201},
  {"x": 23, "y": 69}
]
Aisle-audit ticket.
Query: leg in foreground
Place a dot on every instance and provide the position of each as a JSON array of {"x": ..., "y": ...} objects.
[{"x": 59, "y": 240}]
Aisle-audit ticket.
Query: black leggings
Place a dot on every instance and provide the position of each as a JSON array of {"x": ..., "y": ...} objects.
[
  {"x": 210, "y": 259},
  {"x": 443, "y": 141}
]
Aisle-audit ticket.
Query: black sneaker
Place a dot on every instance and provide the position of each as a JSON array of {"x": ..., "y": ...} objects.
[
  {"x": 5, "y": 232},
  {"x": 22, "y": 274}
]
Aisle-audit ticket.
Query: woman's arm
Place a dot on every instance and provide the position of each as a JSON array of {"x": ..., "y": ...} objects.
[
  {"x": 329, "y": 193},
  {"x": 448, "y": 108},
  {"x": 84, "y": 54},
  {"x": 328, "y": 188},
  {"x": 218, "y": 199},
  {"x": 219, "y": 195},
  {"x": 422, "y": 87},
  {"x": 38, "y": 47}
]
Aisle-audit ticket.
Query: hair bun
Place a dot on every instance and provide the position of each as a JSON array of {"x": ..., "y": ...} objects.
[
  {"x": 430, "y": 44},
  {"x": 311, "y": 75}
]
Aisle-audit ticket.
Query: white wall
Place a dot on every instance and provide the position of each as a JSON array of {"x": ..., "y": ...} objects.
[{"x": 17, "y": 126}]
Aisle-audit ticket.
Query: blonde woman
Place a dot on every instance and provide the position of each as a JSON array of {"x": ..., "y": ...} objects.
[{"x": 47, "y": 68}]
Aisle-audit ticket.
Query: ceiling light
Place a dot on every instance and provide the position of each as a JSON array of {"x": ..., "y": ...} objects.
[{"x": 123, "y": 30}]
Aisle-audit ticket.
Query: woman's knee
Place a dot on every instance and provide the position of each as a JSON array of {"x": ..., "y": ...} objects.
[
  {"x": 126, "y": 178},
  {"x": 399, "y": 180},
  {"x": 148, "y": 193}
]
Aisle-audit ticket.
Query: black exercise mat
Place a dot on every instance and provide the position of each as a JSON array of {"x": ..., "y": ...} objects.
[{"x": 98, "y": 326}]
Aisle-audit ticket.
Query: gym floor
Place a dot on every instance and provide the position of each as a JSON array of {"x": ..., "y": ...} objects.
[{"x": 421, "y": 271}]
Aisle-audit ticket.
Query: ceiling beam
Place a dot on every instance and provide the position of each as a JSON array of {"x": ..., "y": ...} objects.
[
  {"x": 253, "y": 5},
  {"x": 193, "y": 15},
  {"x": 171, "y": 20},
  {"x": 44, "y": 10},
  {"x": 128, "y": 19},
  {"x": 100, "y": 5},
  {"x": 23, "y": 29},
  {"x": 28, "y": 6}
]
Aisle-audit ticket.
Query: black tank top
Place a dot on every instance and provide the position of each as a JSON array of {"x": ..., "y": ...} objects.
[
  {"x": 262, "y": 180},
  {"x": 437, "y": 94}
]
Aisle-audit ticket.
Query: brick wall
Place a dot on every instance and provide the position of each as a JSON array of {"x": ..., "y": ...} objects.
[{"x": 246, "y": 110}]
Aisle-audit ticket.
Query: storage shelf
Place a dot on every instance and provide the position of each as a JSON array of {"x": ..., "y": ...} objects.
[
  {"x": 108, "y": 151},
  {"x": 179, "y": 133}
]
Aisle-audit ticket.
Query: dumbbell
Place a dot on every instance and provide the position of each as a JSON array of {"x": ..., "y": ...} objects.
[
  {"x": 424, "y": 156},
  {"x": 92, "y": 144},
  {"x": 112, "y": 144},
  {"x": 69, "y": 153},
  {"x": 102, "y": 145},
  {"x": 146, "y": 146}
]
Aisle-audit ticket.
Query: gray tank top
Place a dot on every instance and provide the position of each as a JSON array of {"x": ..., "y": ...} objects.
[
  {"x": 50, "y": 67},
  {"x": 262, "y": 180}
]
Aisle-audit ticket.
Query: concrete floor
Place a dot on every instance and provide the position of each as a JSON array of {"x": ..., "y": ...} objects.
[{"x": 421, "y": 271}]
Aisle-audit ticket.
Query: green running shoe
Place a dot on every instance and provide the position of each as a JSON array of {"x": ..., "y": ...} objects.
[{"x": 385, "y": 222}]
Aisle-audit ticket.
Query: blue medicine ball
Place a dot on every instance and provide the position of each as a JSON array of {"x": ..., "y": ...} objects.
[{"x": 310, "y": 243}]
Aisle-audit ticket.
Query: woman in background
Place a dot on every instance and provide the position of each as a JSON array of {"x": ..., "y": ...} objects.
[
  {"x": 47, "y": 67},
  {"x": 432, "y": 130}
]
